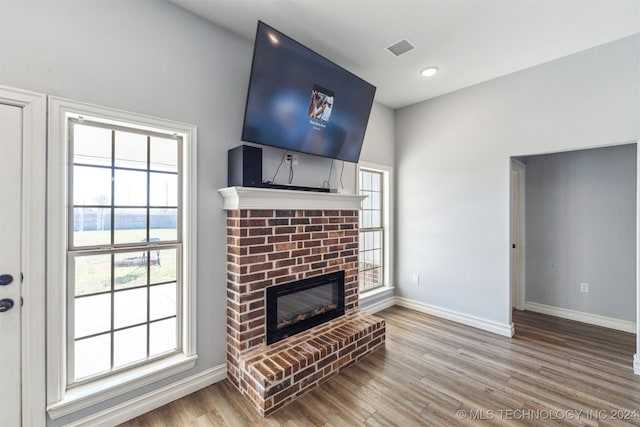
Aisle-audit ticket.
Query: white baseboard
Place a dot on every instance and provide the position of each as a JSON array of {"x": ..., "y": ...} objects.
[
  {"x": 503, "y": 329},
  {"x": 148, "y": 402},
  {"x": 580, "y": 316},
  {"x": 636, "y": 364}
]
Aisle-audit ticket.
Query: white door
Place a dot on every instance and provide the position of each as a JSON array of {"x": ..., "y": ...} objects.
[
  {"x": 10, "y": 262},
  {"x": 517, "y": 234}
]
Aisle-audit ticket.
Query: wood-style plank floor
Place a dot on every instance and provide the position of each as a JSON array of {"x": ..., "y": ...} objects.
[{"x": 436, "y": 372}]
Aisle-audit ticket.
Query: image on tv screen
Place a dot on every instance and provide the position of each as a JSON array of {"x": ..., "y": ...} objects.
[
  {"x": 300, "y": 101},
  {"x": 321, "y": 103}
]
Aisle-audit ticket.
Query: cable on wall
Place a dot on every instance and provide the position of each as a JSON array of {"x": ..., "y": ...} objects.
[
  {"x": 273, "y": 180},
  {"x": 290, "y": 172},
  {"x": 327, "y": 182}
]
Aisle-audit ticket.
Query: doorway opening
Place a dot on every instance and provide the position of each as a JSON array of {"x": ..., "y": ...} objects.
[{"x": 574, "y": 235}]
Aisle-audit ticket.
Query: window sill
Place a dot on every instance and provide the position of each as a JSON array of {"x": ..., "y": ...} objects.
[
  {"x": 89, "y": 394},
  {"x": 374, "y": 300},
  {"x": 371, "y": 293}
]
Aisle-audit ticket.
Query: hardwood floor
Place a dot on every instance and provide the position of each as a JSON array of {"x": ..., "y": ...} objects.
[{"x": 436, "y": 372}]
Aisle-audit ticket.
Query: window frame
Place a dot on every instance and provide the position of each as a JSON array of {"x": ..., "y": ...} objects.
[
  {"x": 387, "y": 225},
  {"x": 115, "y": 248},
  {"x": 63, "y": 399}
]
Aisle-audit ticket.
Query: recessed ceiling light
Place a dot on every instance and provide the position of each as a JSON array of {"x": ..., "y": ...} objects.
[{"x": 429, "y": 71}]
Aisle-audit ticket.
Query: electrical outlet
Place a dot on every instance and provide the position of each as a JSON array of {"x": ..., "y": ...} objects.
[
  {"x": 295, "y": 159},
  {"x": 287, "y": 158},
  {"x": 584, "y": 287},
  {"x": 416, "y": 279}
]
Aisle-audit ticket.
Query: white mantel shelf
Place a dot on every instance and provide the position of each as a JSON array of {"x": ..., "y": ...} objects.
[{"x": 237, "y": 198}]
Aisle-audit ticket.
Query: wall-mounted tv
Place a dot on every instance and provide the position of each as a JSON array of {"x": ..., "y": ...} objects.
[{"x": 301, "y": 101}]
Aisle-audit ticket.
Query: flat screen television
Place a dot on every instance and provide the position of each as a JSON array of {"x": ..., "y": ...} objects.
[{"x": 300, "y": 101}]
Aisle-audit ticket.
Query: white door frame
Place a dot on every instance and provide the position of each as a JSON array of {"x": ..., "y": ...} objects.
[
  {"x": 636, "y": 357},
  {"x": 34, "y": 132},
  {"x": 517, "y": 217}
]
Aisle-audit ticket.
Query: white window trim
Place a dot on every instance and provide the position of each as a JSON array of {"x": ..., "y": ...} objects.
[
  {"x": 388, "y": 224},
  {"x": 60, "y": 401}
]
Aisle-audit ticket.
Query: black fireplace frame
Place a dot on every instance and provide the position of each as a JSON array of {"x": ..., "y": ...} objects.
[{"x": 273, "y": 292}]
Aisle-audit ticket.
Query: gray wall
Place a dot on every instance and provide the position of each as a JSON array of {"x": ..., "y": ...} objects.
[
  {"x": 151, "y": 57},
  {"x": 379, "y": 144},
  {"x": 581, "y": 227},
  {"x": 453, "y": 167}
]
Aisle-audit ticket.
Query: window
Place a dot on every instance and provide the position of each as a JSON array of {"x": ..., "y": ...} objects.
[
  {"x": 124, "y": 249},
  {"x": 374, "y": 227},
  {"x": 127, "y": 210}
]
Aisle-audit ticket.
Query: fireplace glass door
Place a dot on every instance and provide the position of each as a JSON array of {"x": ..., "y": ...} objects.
[{"x": 297, "y": 306}]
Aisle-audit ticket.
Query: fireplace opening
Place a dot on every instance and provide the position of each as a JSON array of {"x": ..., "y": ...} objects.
[{"x": 297, "y": 306}]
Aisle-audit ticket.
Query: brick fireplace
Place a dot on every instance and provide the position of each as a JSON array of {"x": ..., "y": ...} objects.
[{"x": 276, "y": 237}]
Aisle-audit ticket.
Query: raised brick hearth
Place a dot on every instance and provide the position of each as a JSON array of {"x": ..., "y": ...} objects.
[
  {"x": 275, "y": 375},
  {"x": 267, "y": 247}
]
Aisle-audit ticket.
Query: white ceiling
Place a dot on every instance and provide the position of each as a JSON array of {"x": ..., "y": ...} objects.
[{"x": 471, "y": 41}]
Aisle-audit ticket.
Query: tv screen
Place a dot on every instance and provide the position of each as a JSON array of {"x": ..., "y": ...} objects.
[{"x": 301, "y": 101}]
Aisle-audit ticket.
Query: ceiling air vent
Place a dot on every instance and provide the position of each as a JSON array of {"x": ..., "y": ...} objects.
[{"x": 401, "y": 47}]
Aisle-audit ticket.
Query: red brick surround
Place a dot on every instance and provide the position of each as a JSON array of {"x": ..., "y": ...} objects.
[{"x": 270, "y": 247}]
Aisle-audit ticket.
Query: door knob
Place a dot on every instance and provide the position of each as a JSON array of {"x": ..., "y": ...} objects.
[
  {"x": 6, "y": 304},
  {"x": 5, "y": 279}
]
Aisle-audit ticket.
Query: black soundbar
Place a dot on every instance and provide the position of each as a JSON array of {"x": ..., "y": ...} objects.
[{"x": 294, "y": 187}]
